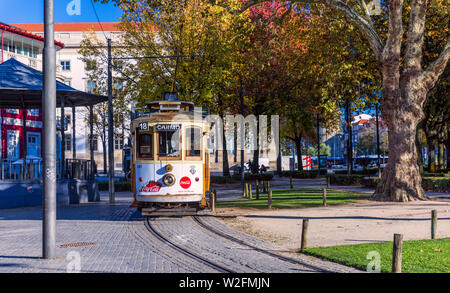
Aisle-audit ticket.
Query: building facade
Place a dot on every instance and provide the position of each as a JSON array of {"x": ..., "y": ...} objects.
[
  {"x": 25, "y": 47},
  {"x": 72, "y": 71}
]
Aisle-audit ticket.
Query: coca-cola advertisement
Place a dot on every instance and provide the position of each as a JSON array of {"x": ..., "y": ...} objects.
[{"x": 151, "y": 187}]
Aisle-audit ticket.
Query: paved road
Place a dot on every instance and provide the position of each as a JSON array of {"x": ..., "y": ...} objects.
[{"x": 114, "y": 238}]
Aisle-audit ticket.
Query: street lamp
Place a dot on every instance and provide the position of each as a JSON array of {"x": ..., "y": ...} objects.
[{"x": 49, "y": 129}]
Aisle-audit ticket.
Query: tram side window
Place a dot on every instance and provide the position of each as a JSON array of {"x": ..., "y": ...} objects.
[
  {"x": 169, "y": 144},
  {"x": 145, "y": 145},
  {"x": 193, "y": 141}
]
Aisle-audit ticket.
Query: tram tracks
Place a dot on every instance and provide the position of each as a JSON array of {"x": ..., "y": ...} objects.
[
  {"x": 266, "y": 252},
  {"x": 184, "y": 250}
]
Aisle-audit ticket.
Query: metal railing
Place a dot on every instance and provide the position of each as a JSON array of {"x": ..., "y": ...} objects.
[{"x": 13, "y": 169}]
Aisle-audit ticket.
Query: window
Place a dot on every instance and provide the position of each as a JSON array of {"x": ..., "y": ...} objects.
[
  {"x": 65, "y": 65},
  {"x": 13, "y": 144},
  {"x": 91, "y": 85},
  {"x": 67, "y": 82},
  {"x": 169, "y": 144},
  {"x": 12, "y": 111},
  {"x": 33, "y": 112},
  {"x": 68, "y": 142},
  {"x": 118, "y": 142},
  {"x": 145, "y": 145},
  {"x": 193, "y": 142}
]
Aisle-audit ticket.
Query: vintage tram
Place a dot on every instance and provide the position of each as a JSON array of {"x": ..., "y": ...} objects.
[{"x": 170, "y": 173}]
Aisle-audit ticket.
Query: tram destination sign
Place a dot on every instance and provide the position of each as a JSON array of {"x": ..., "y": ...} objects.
[{"x": 167, "y": 127}]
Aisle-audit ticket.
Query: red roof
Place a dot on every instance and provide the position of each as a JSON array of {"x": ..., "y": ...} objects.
[
  {"x": 72, "y": 26},
  {"x": 22, "y": 32}
]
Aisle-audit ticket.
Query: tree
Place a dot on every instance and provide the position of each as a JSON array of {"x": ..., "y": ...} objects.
[
  {"x": 325, "y": 150},
  {"x": 366, "y": 144},
  {"x": 93, "y": 54},
  {"x": 405, "y": 84}
]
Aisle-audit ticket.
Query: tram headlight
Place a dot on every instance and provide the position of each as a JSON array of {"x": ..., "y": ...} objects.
[
  {"x": 169, "y": 168},
  {"x": 168, "y": 179}
]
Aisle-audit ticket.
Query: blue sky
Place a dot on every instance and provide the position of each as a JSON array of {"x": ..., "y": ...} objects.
[{"x": 23, "y": 11}]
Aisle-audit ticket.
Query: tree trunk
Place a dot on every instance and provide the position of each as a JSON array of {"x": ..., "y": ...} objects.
[
  {"x": 401, "y": 180},
  {"x": 298, "y": 147},
  {"x": 431, "y": 156},
  {"x": 255, "y": 167},
  {"x": 225, "y": 165}
]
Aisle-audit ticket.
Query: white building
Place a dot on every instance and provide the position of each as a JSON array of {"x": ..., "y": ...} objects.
[{"x": 71, "y": 70}]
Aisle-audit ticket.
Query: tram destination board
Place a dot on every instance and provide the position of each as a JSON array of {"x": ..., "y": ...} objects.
[{"x": 167, "y": 127}]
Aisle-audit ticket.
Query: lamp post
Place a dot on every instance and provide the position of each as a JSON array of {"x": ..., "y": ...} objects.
[
  {"x": 110, "y": 129},
  {"x": 49, "y": 129}
]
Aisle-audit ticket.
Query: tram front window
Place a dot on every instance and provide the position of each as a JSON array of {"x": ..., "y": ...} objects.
[
  {"x": 193, "y": 142},
  {"x": 145, "y": 145},
  {"x": 169, "y": 144}
]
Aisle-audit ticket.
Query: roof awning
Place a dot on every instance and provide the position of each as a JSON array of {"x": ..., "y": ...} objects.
[{"x": 21, "y": 87}]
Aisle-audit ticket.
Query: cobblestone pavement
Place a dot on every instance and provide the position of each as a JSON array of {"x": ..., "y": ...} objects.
[{"x": 113, "y": 238}]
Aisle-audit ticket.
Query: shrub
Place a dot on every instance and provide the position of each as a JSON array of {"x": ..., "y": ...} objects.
[
  {"x": 221, "y": 179},
  {"x": 345, "y": 180},
  {"x": 118, "y": 185},
  {"x": 249, "y": 176},
  {"x": 301, "y": 174},
  {"x": 369, "y": 182},
  {"x": 436, "y": 184}
]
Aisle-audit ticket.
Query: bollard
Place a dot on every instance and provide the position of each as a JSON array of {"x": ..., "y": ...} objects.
[
  {"x": 268, "y": 186},
  {"x": 212, "y": 194},
  {"x": 269, "y": 199},
  {"x": 264, "y": 186},
  {"x": 257, "y": 189},
  {"x": 397, "y": 253},
  {"x": 324, "y": 197},
  {"x": 433, "y": 223},
  {"x": 250, "y": 194},
  {"x": 304, "y": 232},
  {"x": 328, "y": 182},
  {"x": 290, "y": 182},
  {"x": 244, "y": 190}
]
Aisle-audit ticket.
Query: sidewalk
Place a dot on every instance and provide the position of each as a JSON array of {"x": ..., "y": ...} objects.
[{"x": 104, "y": 235}]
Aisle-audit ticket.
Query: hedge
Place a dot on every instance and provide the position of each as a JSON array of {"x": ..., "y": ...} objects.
[
  {"x": 118, "y": 185},
  {"x": 344, "y": 179},
  {"x": 250, "y": 176},
  {"x": 436, "y": 184},
  {"x": 366, "y": 172},
  {"x": 302, "y": 173},
  {"x": 428, "y": 184}
]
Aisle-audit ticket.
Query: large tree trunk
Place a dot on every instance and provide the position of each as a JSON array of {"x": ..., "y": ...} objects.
[{"x": 401, "y": 180}]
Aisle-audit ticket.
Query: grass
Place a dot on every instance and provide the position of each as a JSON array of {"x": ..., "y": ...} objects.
[
  {"x": 291, "y": 198},
  {"x": 418, "y": 256}
]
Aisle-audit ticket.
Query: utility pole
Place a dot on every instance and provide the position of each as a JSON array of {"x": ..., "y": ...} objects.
[
  {"x": 110, "y": 129},
  {"x": 49, "y": 129},
  {"x": 241, "y": 92},
  {"x": 378, "y": 140}
]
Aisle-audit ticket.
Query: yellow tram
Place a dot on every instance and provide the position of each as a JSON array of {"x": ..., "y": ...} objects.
[{"x": 170, "y": 171}]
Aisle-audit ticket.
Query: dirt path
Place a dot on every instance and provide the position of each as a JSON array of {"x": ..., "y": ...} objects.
[{"x": 361, "y": 222}]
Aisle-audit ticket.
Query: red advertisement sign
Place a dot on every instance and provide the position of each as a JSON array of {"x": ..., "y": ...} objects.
[
  {"x": 185, "y": 182},
  {"x": 151, "y": 187}
]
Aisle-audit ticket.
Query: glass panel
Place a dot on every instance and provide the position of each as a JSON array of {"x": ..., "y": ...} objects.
[
  {"x": 169, "y": 144},
  {"x": 145, "y": 146},
  {"x": 193, "y": 142}
]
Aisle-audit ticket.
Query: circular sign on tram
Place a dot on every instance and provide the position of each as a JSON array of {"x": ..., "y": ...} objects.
[{"x": 185, "y": 182}]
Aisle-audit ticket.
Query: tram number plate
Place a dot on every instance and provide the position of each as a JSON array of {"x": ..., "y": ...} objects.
[{"x": 143, "y": 126}]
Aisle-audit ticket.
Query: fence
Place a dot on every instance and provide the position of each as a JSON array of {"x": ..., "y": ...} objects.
[{"x": 13, "y": 169}]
